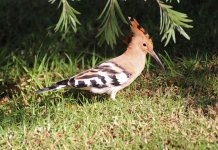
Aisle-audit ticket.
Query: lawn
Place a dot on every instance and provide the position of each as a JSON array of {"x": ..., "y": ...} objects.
[{"x": 172, "y": 110}]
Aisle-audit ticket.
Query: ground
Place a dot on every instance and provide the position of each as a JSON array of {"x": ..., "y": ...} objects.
[{"x": 176, "y": 109}]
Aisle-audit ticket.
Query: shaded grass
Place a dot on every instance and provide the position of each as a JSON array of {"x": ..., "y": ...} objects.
[{"x": 177, "y": 109}]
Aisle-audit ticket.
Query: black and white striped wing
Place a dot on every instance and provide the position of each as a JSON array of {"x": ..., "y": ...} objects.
[{"x": 108, "y": 74}]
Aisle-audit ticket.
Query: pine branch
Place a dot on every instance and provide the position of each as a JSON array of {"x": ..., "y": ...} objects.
[
  {"x": 109, "y": 28},
  {"x": 68, "y": 18},
  {"x": 171, "y": 20}
]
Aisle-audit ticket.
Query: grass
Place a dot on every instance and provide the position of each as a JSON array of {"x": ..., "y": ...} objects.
[{"x": 173, "y": 110}]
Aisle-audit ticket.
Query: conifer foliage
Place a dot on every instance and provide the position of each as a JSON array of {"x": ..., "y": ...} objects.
[{"x": 109, "y": 29}]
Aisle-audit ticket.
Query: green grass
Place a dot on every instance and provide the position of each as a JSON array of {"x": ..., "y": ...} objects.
[{"x": 173, "y": 110}]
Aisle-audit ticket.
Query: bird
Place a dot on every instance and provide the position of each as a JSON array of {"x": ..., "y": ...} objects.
[{"x": 116, "y": 73}]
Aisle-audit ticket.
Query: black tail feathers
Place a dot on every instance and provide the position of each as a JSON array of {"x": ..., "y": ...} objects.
[{"x": 58, "y": 85}]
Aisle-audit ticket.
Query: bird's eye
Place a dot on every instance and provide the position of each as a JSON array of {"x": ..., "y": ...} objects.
[{"x": 144, "y": 44}]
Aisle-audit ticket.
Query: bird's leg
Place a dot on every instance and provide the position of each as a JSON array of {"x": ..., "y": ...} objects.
[{"x": 113, "y": 95}]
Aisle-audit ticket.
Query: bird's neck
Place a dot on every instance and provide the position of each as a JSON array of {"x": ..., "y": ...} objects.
[
  {"x": 135, "y": 55},
  {"x": 133, "y": 58}
]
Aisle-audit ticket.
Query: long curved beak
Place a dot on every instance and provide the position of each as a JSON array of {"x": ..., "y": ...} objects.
[{"x": 154, "y": 55}]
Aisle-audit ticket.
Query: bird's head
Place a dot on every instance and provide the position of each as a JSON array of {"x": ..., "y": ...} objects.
[{"x": 143, "y": 40}]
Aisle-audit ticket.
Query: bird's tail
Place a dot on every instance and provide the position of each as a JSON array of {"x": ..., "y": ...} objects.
[{"x": 58, "y": 85}]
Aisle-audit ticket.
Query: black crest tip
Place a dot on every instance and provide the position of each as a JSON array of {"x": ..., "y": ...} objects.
[{"x": 131, "y": 18}]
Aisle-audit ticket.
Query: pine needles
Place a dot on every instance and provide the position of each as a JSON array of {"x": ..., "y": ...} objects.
[
  {"x": 109, "y": 29},
  {"x": 171, "y": 20},
  {"x": 68, "y": 18}
]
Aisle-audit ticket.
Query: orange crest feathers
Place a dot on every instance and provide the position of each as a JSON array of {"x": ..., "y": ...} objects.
[{"x": 136, "y": 28}]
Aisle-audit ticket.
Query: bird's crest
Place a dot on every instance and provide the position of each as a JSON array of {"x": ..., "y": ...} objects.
[{"x": 136, "y": 28}]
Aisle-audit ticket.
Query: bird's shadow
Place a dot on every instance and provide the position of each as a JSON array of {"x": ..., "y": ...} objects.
[{"x": 83, "y": 97}]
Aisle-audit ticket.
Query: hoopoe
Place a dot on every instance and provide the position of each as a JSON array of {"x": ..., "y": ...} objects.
[{"x": 117, "y": 73}]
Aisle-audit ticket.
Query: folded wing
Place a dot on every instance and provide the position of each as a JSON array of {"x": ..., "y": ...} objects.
[{"x": 108, "y": 74}]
